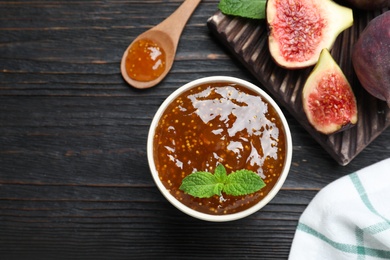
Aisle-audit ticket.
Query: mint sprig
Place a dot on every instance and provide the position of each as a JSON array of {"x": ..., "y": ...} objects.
[
  {"x": 254, "y": 9},
  {"x": 203, "y": 184}
]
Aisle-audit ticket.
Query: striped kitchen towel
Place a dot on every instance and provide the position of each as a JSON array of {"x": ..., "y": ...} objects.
[{"x": 347, "y": 219}]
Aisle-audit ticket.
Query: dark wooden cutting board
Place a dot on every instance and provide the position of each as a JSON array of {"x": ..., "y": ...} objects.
[{"x": 247, "y": 40}]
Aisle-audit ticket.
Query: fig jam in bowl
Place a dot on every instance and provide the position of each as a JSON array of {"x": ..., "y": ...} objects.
[{"x": 212, "y": 121}]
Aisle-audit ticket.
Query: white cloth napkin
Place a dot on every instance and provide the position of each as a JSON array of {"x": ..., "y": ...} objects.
[{"x": 347, "y": 219}]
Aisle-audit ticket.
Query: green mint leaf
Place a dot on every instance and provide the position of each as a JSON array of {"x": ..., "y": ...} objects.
[
  {"x": 220, "y": 173},
  {"x": 243, "y": 182},
  {"x": 254, "y": 9},
  {"x": 201, "y": 184},
  {"x": 205, "y": 184}
]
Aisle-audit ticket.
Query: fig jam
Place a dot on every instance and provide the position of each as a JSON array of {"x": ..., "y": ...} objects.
[
  {"x": 145, "y": 60},
  {"x": 219, "y": 123}
]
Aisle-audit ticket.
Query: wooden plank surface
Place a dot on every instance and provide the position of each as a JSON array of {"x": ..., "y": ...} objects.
[{"x": 74, "y": 179}]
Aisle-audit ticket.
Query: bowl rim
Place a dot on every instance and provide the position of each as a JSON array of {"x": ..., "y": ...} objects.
[{"x": 204, "y": 216}]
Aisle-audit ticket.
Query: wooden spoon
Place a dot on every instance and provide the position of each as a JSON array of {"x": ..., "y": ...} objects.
[{"x": 166, "y": 35}]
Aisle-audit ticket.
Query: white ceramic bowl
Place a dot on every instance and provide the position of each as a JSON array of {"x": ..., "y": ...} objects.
[{"x": 177, "y": 203}]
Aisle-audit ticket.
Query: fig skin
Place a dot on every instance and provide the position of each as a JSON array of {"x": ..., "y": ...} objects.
[
  {"x": 327, "y": 97},
  {"x": 300, "y": 29},
  {"x": 367, "y": 5},
  {"x": 371, "y": 57}
]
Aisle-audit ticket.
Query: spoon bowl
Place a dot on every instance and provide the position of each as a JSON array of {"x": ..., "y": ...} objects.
[
  {"x": 166, "y": 35},
  {"x": 166, "y": 43}
]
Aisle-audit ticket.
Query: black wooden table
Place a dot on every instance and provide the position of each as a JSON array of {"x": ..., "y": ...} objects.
[{"x": 74, "y": 178}]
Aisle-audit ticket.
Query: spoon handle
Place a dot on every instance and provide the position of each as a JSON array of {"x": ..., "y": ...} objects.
[{"x": 175, "y": 23}]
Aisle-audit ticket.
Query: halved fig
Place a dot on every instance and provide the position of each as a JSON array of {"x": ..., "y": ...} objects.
[
  {"x": 327, "y": 96},
  {"x": 300, "y": 29}
]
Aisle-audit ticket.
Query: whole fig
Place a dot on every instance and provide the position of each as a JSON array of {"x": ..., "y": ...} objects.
[
  {"x": 367, "y": 4},
  {"x": 371, "y": 57}
]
